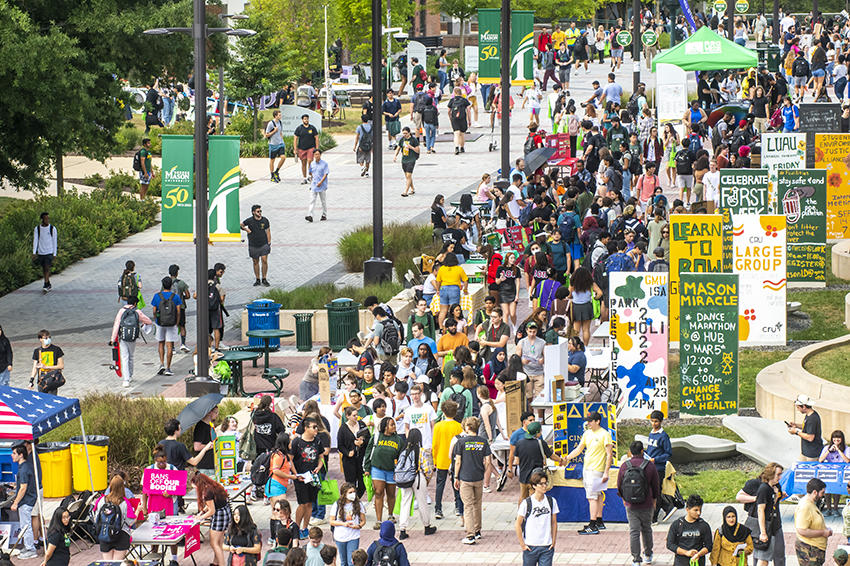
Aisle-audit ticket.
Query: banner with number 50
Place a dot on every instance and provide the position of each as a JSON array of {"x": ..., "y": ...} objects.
[{"x": 177, "y": 188}]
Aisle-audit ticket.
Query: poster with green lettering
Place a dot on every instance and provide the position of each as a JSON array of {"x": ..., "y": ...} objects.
[
  {"x": 489, "y": 32},
  {"x": 177, "y": 188},
  {"x": 708, "y": 342},
  {"x": 224, "y": 189},
  {"x": 745, "y": 191},
  {"x": 802, "y": 196},
  {"x": 522, "y": 47}
]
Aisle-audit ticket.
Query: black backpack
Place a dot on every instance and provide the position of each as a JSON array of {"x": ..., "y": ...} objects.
[
  {"x": 800, "y": 67},
  {"x": 109, "y": 522},
  {"x": 364, "y": 144},
  {"x": 635, "y": 486},
  {"x": 128, "y": 287},
  {"x": 261, "y": 468},
  {"x": 460, "y": 399},
  {"x": 386, "y": 555},
  {"x": 137, "y": 161},
  {"x": 214, "y": 297},
  {"x": 632, "y": 105},
  {"x": 166, "y": 312},
  {"x": 430, "y": 115},
  {"x": 390, "y": 341},
  {"x": 529, "y": 144},
  {"x": 128, "y": 328},
  {"x": 634, "y": 163}
]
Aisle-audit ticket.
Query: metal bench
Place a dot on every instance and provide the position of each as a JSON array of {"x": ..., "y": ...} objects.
[{"x": 275, "y": 377}]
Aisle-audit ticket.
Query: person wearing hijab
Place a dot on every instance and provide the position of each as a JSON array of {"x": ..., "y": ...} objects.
[
  {"x": 382, "y": 546},
  {"x": 498, "y": 362},
  {"x": 729, "y": 539}
]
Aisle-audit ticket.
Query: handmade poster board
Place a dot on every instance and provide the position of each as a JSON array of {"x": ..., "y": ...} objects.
[
  {"x": 745, "y": 191},
  {"x": 514, "y": 404},
  {"x": 802, "y": 197},
  {"x": 708, "y": 355},
  {"x": 696, "y": 246},
  {"x": 759, "y": 244},
  {"x": 324, "y": 384},
  {"x": 569, "y": 421},
  {"x": 832, "y": 153},
  {"x": 225, "y": 456},
  {"x": 781, "y": 152},
  {"x": 638, "y": 306}
]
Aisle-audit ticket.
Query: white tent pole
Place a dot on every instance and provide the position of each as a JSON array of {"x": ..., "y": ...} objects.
[
  {"x": 40, "y": 501},
  {"x": 86, "y": 448}
]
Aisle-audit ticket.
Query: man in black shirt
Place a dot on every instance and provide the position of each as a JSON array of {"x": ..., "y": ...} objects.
[
  {"x": 811, "y": 436},
  {"x": 471, "y": 457},
  {"x": 457, "y": 236},
  {"x": 308, "y": 142},
  {"x": 761, "y": 497},
  {"x": 259, "y": 242},
  {"x": 689, "y": 537},
  {"x": 202, "y": 437},
  {"x": 529, "y": 453}
]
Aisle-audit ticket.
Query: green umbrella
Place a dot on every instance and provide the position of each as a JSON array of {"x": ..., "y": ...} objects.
[{"x": 708, "y": 51}]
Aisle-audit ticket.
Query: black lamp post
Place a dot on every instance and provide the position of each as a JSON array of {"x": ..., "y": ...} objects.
[
  {"x": 505, "y": 79},
  {"x": 200, "y": 32}
]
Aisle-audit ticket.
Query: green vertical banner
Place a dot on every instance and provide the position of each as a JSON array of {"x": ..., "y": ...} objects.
[
  {"x": 802, "y": 197},
  {"x": 708, "y": 341},
  {"x": 224, "y": 188},
  {"x": 177, "y": 188},
  {"x": 522, "y": 46}
]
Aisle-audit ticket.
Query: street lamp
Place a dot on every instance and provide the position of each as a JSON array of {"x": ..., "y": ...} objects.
[{"x": 200, "y": 32}]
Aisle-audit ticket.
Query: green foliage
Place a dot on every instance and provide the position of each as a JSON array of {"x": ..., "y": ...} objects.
[
  {"x": 89, "y": 223},
  {"x": 351, "y": 21},
  {"x": 664, "y": 41},
  {"x": 94, "y": 180},
  {"x": 118, "y": 182},
  {"x": 242, "y": 124},
  {"x": 559, "y": 9},
  {"x": 831, "y": 364},
  {"x": 626, "y": 433},
  {"x": 128, "y": 138},
  {"x": 402, "y": 242},
  {"x": 463, "y": 10},
  {"x": 185, "y": 128},
  {"x": 315, "y": 297},
  {"x": 714, "y": 486},
  {"x": 155, "y": 186},
  {"x": 826, "y": 308},
  {"x": 261, "y": 148}
]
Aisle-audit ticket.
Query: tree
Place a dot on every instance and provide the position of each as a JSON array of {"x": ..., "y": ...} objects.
[
  {"x": 549, "y": 10},
  {"x": 463, "y": 10},
  {"x": 353, "y": 20}
]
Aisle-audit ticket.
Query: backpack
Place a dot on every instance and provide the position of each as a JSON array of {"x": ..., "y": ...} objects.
[
  {"x": 214, "y": 297},
  {"x": 573, "y": 125},
  {"x": 460, "y": 399},
  {"x": 261, "y": 468},
  {"x": 600, "y": 273},
  {"x": 386, "y": 555},
  {"x": 364, "y": 144},
  {"x": 390, "y": 336},
  {"x": 430, "y": 114},
  {"x": 634, "y": 163},
  {"x": 615, "y": 181},
  {"x": 529, "y": 144},
  {"x": 525, "y": 214},
  {"x": 632, "y": 105},
  {"x": 274, "y": 559},
  {"x": 635, "y": 485},
  {"x": 166, "y": 312},
  {"x": 406, "y": 469},
  {"x": 128, "y": 328},
  {"x": 619, "y": 262},
  {"x": 568, "y": 229},
  {"x": 437, "y": 64},
  {"x": 800, "y": 67},
  {"x": 128, "y": 287},
  {"x": 528, "y": 510},
  {"x": 108, "y": 524},
  {"x": 137, "y": 161}
]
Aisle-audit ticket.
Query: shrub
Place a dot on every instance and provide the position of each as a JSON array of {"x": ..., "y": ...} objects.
[
  {"x": 183, "y": 127},
  {"x": 402, "y": 242},
  {"x": 155, "y": 186},
  {"x": 128, "y": 138},
  {"x": 93, "y": 180},
  {"x": 260, "y": 148},
  {"x": 88, "y": 224},
  {"x": 664, "y": 41},
  {"x": 118, "y": 182},
  {"x": 315, "y": 297},
  {"x": 241, "y": 124}
]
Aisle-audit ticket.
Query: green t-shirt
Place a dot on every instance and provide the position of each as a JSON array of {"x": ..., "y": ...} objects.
[
  {"x": 182, "y": 289},
  {"x": 408, "y": 155},
  {"x": 551, "y": 336},
  {"x": 145, "y": 157}
]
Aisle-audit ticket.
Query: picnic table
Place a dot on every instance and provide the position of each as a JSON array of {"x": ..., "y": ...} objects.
[
  {"x": 266, "y": 335},
  {"x": 603, "y": 331},
  {"x": 171, "y": 531},
  {"x": 234, "y": 359}
]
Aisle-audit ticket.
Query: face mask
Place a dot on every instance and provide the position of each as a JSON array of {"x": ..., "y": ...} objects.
[
  {"x": 351, "y": 496},
  {"x": 46, "y": 342}
]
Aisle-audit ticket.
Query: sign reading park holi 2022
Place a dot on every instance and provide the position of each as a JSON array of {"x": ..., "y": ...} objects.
[
  {"x": 178, "y": 188},
  {"x": 781, "y": 152},
  {"x": 802, "y": 197},
  {"x": 744, "y": 191},
  {"x": 759, "y": 260},
  {"x": 696, "y": 246},
  {"x": 522, "y": 47},
  {"x": 832, "y": 153},
  {"x": 638, "y": 314},
  {"x": 708, "y": 354}
]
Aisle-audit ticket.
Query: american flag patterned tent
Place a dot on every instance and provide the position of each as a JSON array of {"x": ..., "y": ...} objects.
[{"x": 25, "y": 414}]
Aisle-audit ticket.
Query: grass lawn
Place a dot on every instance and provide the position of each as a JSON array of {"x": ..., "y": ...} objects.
[
  {"x": 826, "y": 308},
  {"x": 831, "y": 365},
  {"x": 830, "y": 278},
  {"x": 715, "y": 486},
  {"x": 626, "y": 433}
]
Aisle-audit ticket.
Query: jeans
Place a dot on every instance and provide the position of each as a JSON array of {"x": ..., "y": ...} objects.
[
  {"x": 442, "y": 79},
  {"x": 345, "y": 549},
  {"x": 25, "y": 522},
  {"x": 167, "y": 112},
  {"x": 430, "y": 135},
  {"x": 5, "y": 377},
  {"x": 640, "y": 526},
  {"x": 538, "y": 556},
  {"x": 485, "y": 90},
  {"x": 126, "y": 351},
  {"x": 442, "y": 476},
  {"x": 627, "y": 185},
  {"x": 840, "y": 87},
  {"x": 471, "y": 493}
]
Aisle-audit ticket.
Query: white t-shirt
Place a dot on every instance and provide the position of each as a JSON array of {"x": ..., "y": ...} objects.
[
  {"x": 422, "y": 418},
  {"x": 532, "y": 98},
  {"x": 538, "y": 526},
  {"x": 397, "y": 406},
  {"x": 345, "y": 534},
  {"x": 513, "y": 206},
  {"x": 711, "y": 187}
]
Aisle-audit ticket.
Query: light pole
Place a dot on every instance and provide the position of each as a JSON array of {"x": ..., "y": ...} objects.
[
  {"x": 505, "y": 96},
  {"x": 222, "y": 100},
  {"x": 200, "y": 32}
]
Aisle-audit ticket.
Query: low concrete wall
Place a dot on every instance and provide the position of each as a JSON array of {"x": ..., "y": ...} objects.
[
  {"x": 847, "y": 311},
  {"x": 841, "y": 259},
  {"x": 778, "y": 385}
]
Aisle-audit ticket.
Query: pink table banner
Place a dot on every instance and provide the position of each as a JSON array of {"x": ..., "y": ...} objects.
[
  {"x": 174, "y": 528},
  {"x": 164, "y": 482},
  {"x": 158, "y": 503}
]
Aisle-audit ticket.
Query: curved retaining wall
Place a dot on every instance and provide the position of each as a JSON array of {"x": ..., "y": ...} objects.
[{"x": 841, "y": 259}]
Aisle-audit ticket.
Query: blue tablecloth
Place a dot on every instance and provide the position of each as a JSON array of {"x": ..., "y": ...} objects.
[
  {"x": 835, "y": 476},
  {"x": 572, "y": 505}
]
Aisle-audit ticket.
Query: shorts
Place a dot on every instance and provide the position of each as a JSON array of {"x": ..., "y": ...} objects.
[
  {"x": 699, "y": 189},
  {"x": 277, "y": 151},
  {"x": 449, "y": 295},
  {"x": 305, "y": 154},
  {"x": 535, "y": 111},
  {"x": 122, "y": 542},
  {"x": 818, "y": 73},
  {"x": 684, "y": 181},
  {"x": 407, "y": 166},
  {"x": 576, "y": 251},
  {"x": 394, "y": 127},
  {"x": 216, "y": 323},
  {"x": 44, "y": 260},
  {"x": 305, "y": 492},
  {"x": 363, "y": 156},
  {"x": 221, "y": 519},
  {"x": 383, "y": 475},
  {"x": 274, "y": 488},
  {"x": 618, "y": 53},
  {"x": 800, "y": 81},
  {"x": 416, "y": 118},
  {"x": 257, "y": 253},
  {"x": 588, "y": 478},
  {"x": 144, "y": 179},
  {"x": 808, "y": 555},
  {"x": 582, "y": 311},
  {"x": 166, "y": 333}
]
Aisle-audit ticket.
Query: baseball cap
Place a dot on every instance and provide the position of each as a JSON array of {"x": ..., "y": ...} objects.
[
  {"x": 840, "y": 556},
  {"x": 533, "y": 429},
  {"x": 802, "y": 400},
  {"x": 531, "y": 324}
]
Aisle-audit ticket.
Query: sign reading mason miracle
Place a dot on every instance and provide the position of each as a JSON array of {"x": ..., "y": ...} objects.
[{"x": 708, "y": 355}]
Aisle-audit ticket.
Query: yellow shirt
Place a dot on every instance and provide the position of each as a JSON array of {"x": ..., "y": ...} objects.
[
  {"x": 808, "y": 516},
  {"x": 571, "y": 35},
  {"x": 444, "y": 431},
  {"x": 558, "y": 37},
  {"x": 451, "y": 275},
  {"x": 594, "y": 443}
]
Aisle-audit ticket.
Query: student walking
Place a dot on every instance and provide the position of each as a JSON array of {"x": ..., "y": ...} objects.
[
  {"x": 412, "y": 475},
  {"x": 259, "y": 243},
  {"x": 471, "y": 457},
  {"x": 319, "y": 171},
  {"x": 166, "y": 309},
  {"x": 689, "y": 537},
  {"x": 125, "y": 331},
  {"x": 537, "y": 524},
  {"x": 277, "y": 147},
  {"x": 409, "y": 148},
  {"x": 307, "y": 143},
  {"x": 182, "y": 289},
  {"x": 45, "y": 246},
  {"x": 639, "y": 487}
]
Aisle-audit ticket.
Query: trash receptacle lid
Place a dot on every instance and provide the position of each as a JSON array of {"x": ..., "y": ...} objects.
[
  {"x": 43, "y": 447},
  {"x": 262, "y": 304},
  {"x": 93, "y": 439}
]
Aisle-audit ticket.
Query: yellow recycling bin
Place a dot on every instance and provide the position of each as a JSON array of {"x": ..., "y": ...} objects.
[
  {"x": 55, "y": 458},
  {"x": 98, "y": 446}
]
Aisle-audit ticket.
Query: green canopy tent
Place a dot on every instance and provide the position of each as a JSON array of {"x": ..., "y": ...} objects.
[{"x": 708, "y": 51}]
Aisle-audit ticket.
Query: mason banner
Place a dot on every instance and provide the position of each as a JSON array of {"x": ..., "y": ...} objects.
[
  {"x": 177, "y": 188},
  {"x": 522, "y": 47},
  {"x": 224, "y": 175}
]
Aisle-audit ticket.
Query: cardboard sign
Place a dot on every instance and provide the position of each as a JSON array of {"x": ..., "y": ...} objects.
[
  {"x": 816, "y": 119},
  {"x": 164, "y": 482},
  {"x": 802, "y": 198},
  {"x": 324, "y": 384},
  {"x": 708, "y": 355},
  {"x": 832, "y": 153},
  {"x": 745, "y": 191},
  {"x": 781, "y": 152},
  {"x": 638, "y": 328},
  {"x": 806, "y": 262},
  {"x": 514, "y": 404}
]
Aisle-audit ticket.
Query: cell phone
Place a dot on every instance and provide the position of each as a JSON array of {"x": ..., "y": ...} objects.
[{"x": 787, "y": 424}]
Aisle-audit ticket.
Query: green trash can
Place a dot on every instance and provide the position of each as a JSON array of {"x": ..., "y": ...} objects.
[
  {"x": 343, "y": 322},
  {"x": 773, "y": 58},
  {"x": 303, "y": 331}
]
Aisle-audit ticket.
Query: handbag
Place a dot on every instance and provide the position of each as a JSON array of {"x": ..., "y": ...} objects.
[
  {"x": 370, "y": 489},
  {"x": 328, "y": 492},
  {"x": 50, "y": 381},
  {"x": 597, "y": 307}
]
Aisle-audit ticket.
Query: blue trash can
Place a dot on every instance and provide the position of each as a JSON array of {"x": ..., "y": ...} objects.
[{"x": 263, "y": 314}]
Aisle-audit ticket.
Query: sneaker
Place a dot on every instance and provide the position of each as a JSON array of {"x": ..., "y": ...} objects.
[
  {"x": 27, "y": 554},
  {"x": 668, "y": 514},
  {"x": 478, "y": 535},
  {"x": 272, "y": 543},
  {"x": 430, "y": 530},
  {"x": 377, "y": 526},
  {"x": 393, "y": 519},
  {"x": 463, "y": 150},
  {"x": 600, "y": 525},
  {"x": 403, "y": 535},
  {"x": 223, "y": 346},
  {"x": 305, "y": 181},
  {"x": 635, "y": 563},
  {"x": 175, "y": 563},
  {"x": 161, "y": 370},
  {"x": 308, "y": 218},
  {"x": 458, "y": 512},
  {"x": 588, "y": 530},
  {"x": 438, "y": 514},
  {"x": 468, "y": 540},
  {"x": 266, "y": 283},
  {"x": 257, "y": 283},
  {"x": 647, "y": 559},
  {"x": 126, "y": 383},
  {"x": 487, "y": 489},
  {"x": 168, "y": 372},
  {"x": 304, "y": 534},
  {"x": 185, "y": 349},
  {"x": 502, "y": 480},
  {"x": 457, "y": 150},
  {"x": 323, "y": 218}
]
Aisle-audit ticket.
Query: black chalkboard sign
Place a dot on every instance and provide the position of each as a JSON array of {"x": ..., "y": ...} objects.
[{"x": 818, "y": 118}]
